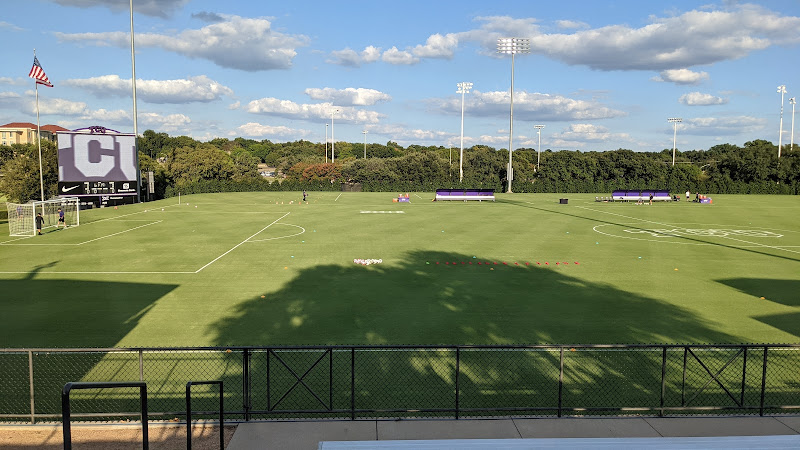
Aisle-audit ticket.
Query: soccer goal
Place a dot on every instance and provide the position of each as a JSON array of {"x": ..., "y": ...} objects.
[{"x": 22, "y": 216}]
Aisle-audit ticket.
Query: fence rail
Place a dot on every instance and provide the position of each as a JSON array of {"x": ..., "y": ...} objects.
[{"x": 367, "y": 382}]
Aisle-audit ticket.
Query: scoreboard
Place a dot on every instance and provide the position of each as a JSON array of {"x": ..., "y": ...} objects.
[{"x": 99, "y": 164}]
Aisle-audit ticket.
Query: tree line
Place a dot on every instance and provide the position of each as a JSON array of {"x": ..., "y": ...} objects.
[{"x": 183, "y": 164}]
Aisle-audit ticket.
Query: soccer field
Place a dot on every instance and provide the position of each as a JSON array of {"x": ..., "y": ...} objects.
[{"x": 263, "y": 269}]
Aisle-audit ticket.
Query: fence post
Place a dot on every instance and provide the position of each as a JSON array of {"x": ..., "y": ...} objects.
[
  {"x": 560, "y": 378},
  {"x": 458, "y": 368},
  {"x": 330, "y": 378},
  {"x": 683, "y": 380},
  {"x": 141, "y": 365},
  {"x": 30, "y": 382},
  {"x": 663, "y": 378},
  {"x": 246, "y": 383},
  {"x": 352, "y": 383},
  {"x": 744, "y": 374},
  {"x": 763, "y": 382}
]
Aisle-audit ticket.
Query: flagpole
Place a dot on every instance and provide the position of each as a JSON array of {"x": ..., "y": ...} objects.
[{"x": 39, "y": 135}]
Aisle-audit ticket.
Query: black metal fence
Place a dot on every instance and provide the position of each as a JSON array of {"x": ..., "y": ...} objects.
[{"x": 360, "y": 382}]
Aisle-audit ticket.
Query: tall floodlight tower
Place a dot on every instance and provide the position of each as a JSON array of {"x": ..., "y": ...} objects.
[
  {"x": 675, "y": 121},
  {"x": 782, "y": 91},
  {"x": 791, "y": 143},
  {"x": 326, "y": 143},
  {"x": 539, "y": 148},
  {"x": 365, "y": 143},
  {"x": 135, "y": 113},
  {"x": 333, "y": 139},
  {"x": 463, "y": 88},
  {"x": 512, "y": 46}
]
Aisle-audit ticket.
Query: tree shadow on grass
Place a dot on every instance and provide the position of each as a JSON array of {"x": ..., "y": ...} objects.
[
  {"x": 420, "y": 302},
  {"x": 57, "y": 313},
  {"x": 785, "y": 292}
]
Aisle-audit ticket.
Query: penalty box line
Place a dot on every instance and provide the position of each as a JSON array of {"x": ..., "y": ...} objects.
[
  {"x": 240, "y": 243},
  {"x": 756, "y": 244}
]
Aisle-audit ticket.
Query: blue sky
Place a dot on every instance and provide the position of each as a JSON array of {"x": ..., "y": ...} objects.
[{"x": 601, "y": 75}]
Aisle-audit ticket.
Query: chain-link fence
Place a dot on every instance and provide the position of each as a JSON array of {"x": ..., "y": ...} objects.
[{"x": 362, "y": 382}]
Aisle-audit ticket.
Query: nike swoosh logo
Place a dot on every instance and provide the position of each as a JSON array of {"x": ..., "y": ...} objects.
[{"x": 66, "y": 189}]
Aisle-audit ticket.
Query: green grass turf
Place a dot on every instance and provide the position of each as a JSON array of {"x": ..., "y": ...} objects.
[{"x": 193, "y": 274}]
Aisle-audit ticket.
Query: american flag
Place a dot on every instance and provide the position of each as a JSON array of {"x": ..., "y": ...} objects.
[{"x": 37, "y": 73}]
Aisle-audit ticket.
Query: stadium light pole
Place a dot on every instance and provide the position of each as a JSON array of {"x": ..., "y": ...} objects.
[
  {"x": 791, "y": 143},
  {"x": 333, "y": 139},
  {"x": 781, "y": 90},
  {"x": 135, "y": 115},
  {"x": 463, "y": 88},
  {"x": 512, "y": 46},
  {"x": 675, "y": 121},
  {"x": 365, "y": 143},
  {"x": 326, "y": 143},
  {"x": 539, "y": 148}
]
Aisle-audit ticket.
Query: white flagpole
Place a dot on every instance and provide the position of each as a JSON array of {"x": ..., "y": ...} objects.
[{"x": 39, "y": 135}]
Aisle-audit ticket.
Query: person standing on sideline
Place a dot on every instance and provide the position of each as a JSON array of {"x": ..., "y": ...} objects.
[
  {"x": 651, "y": 199},
  {"x": 61, "y": 218},
  {"x": 39, "y": 223},
  {"x": 305, "y": 196},
  {"x": 687, "y": 195}
]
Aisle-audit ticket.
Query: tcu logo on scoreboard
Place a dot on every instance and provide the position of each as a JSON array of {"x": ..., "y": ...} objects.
[{"x": 96, "y": 157}]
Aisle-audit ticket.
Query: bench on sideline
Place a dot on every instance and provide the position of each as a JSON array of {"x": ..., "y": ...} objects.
[
  {"x": 644, "y": 196},
  {"x": 464, "y": 194}
]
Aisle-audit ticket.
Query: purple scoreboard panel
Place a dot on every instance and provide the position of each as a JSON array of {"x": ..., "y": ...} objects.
[{"x": 99, "y": 165}]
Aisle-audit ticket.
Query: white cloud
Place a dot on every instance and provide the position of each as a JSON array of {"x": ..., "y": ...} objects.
[
  {"x": 156, "y": 8},
  {"x": 350, "y": 58},
  {"x": 370, "y": 54},
  {"x": 347, "y": 57},
  {"x": 193, "y": 89},
  {"x": 289, "y": 109},
  {"x": 349, "y": 96},
  {"x": 19, "y": 81},
  {"x": 242, "y": 43},
  {"x": 571, "y": 24},
  {"x": 402, "y": 57},
  {"x": 585, "y": 132},
  {"x": 700, "y": 99},
  {"x": 722, "y": 126},
  {"x": 235, "y": 105},
  {"x": 9, "y": 26},
  {"x": 681, "y": 76},
  {"x": 253, "y": 129},
  {"x": 528, "y": 106},
  {"x": 403, "y": 135},
  {"x": 437, "y": 46},
  {"x": 170, "y": 122}
]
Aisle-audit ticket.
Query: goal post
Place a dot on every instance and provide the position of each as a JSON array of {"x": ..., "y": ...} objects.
[{"x": 22, "y": 216}]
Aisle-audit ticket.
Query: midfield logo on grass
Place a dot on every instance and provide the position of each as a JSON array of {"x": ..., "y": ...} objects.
[{"x": 705, "y": 232}]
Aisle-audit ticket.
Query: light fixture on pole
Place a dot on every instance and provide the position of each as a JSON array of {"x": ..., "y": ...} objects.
[
  {"x": 675, "y": 121},
  {"x": 463, "y": 88},
  {"x": 512, "y": 46},
  {"x": 791, "y": 144},
  {"x": 326, "y": 143},
  {"x": 333, "y": 139},
  {"x": 539, "y": 148},
  {"x": 365, "y": 143},
  {"x": 781, "y": 90}
]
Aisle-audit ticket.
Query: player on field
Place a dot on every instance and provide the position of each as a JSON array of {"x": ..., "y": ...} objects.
[
  {"x": 61, "y": 218},
  {"x": 39, "y": 223}
]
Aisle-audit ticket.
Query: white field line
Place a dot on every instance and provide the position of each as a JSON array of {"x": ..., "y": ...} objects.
[
  {"x": 756, "y": 244},
  {"x": 95, "y": 239},
  {"x": 337, "y": 197},
  {"x": 281, "y": 237},
  {"x": 240, "y": 243},
  {"x": 383, "y": 212},
  {"x": 418, "y": 196}
]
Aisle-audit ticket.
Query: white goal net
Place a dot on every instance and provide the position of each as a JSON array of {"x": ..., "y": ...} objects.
[{"x": 22, "y": 216}]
